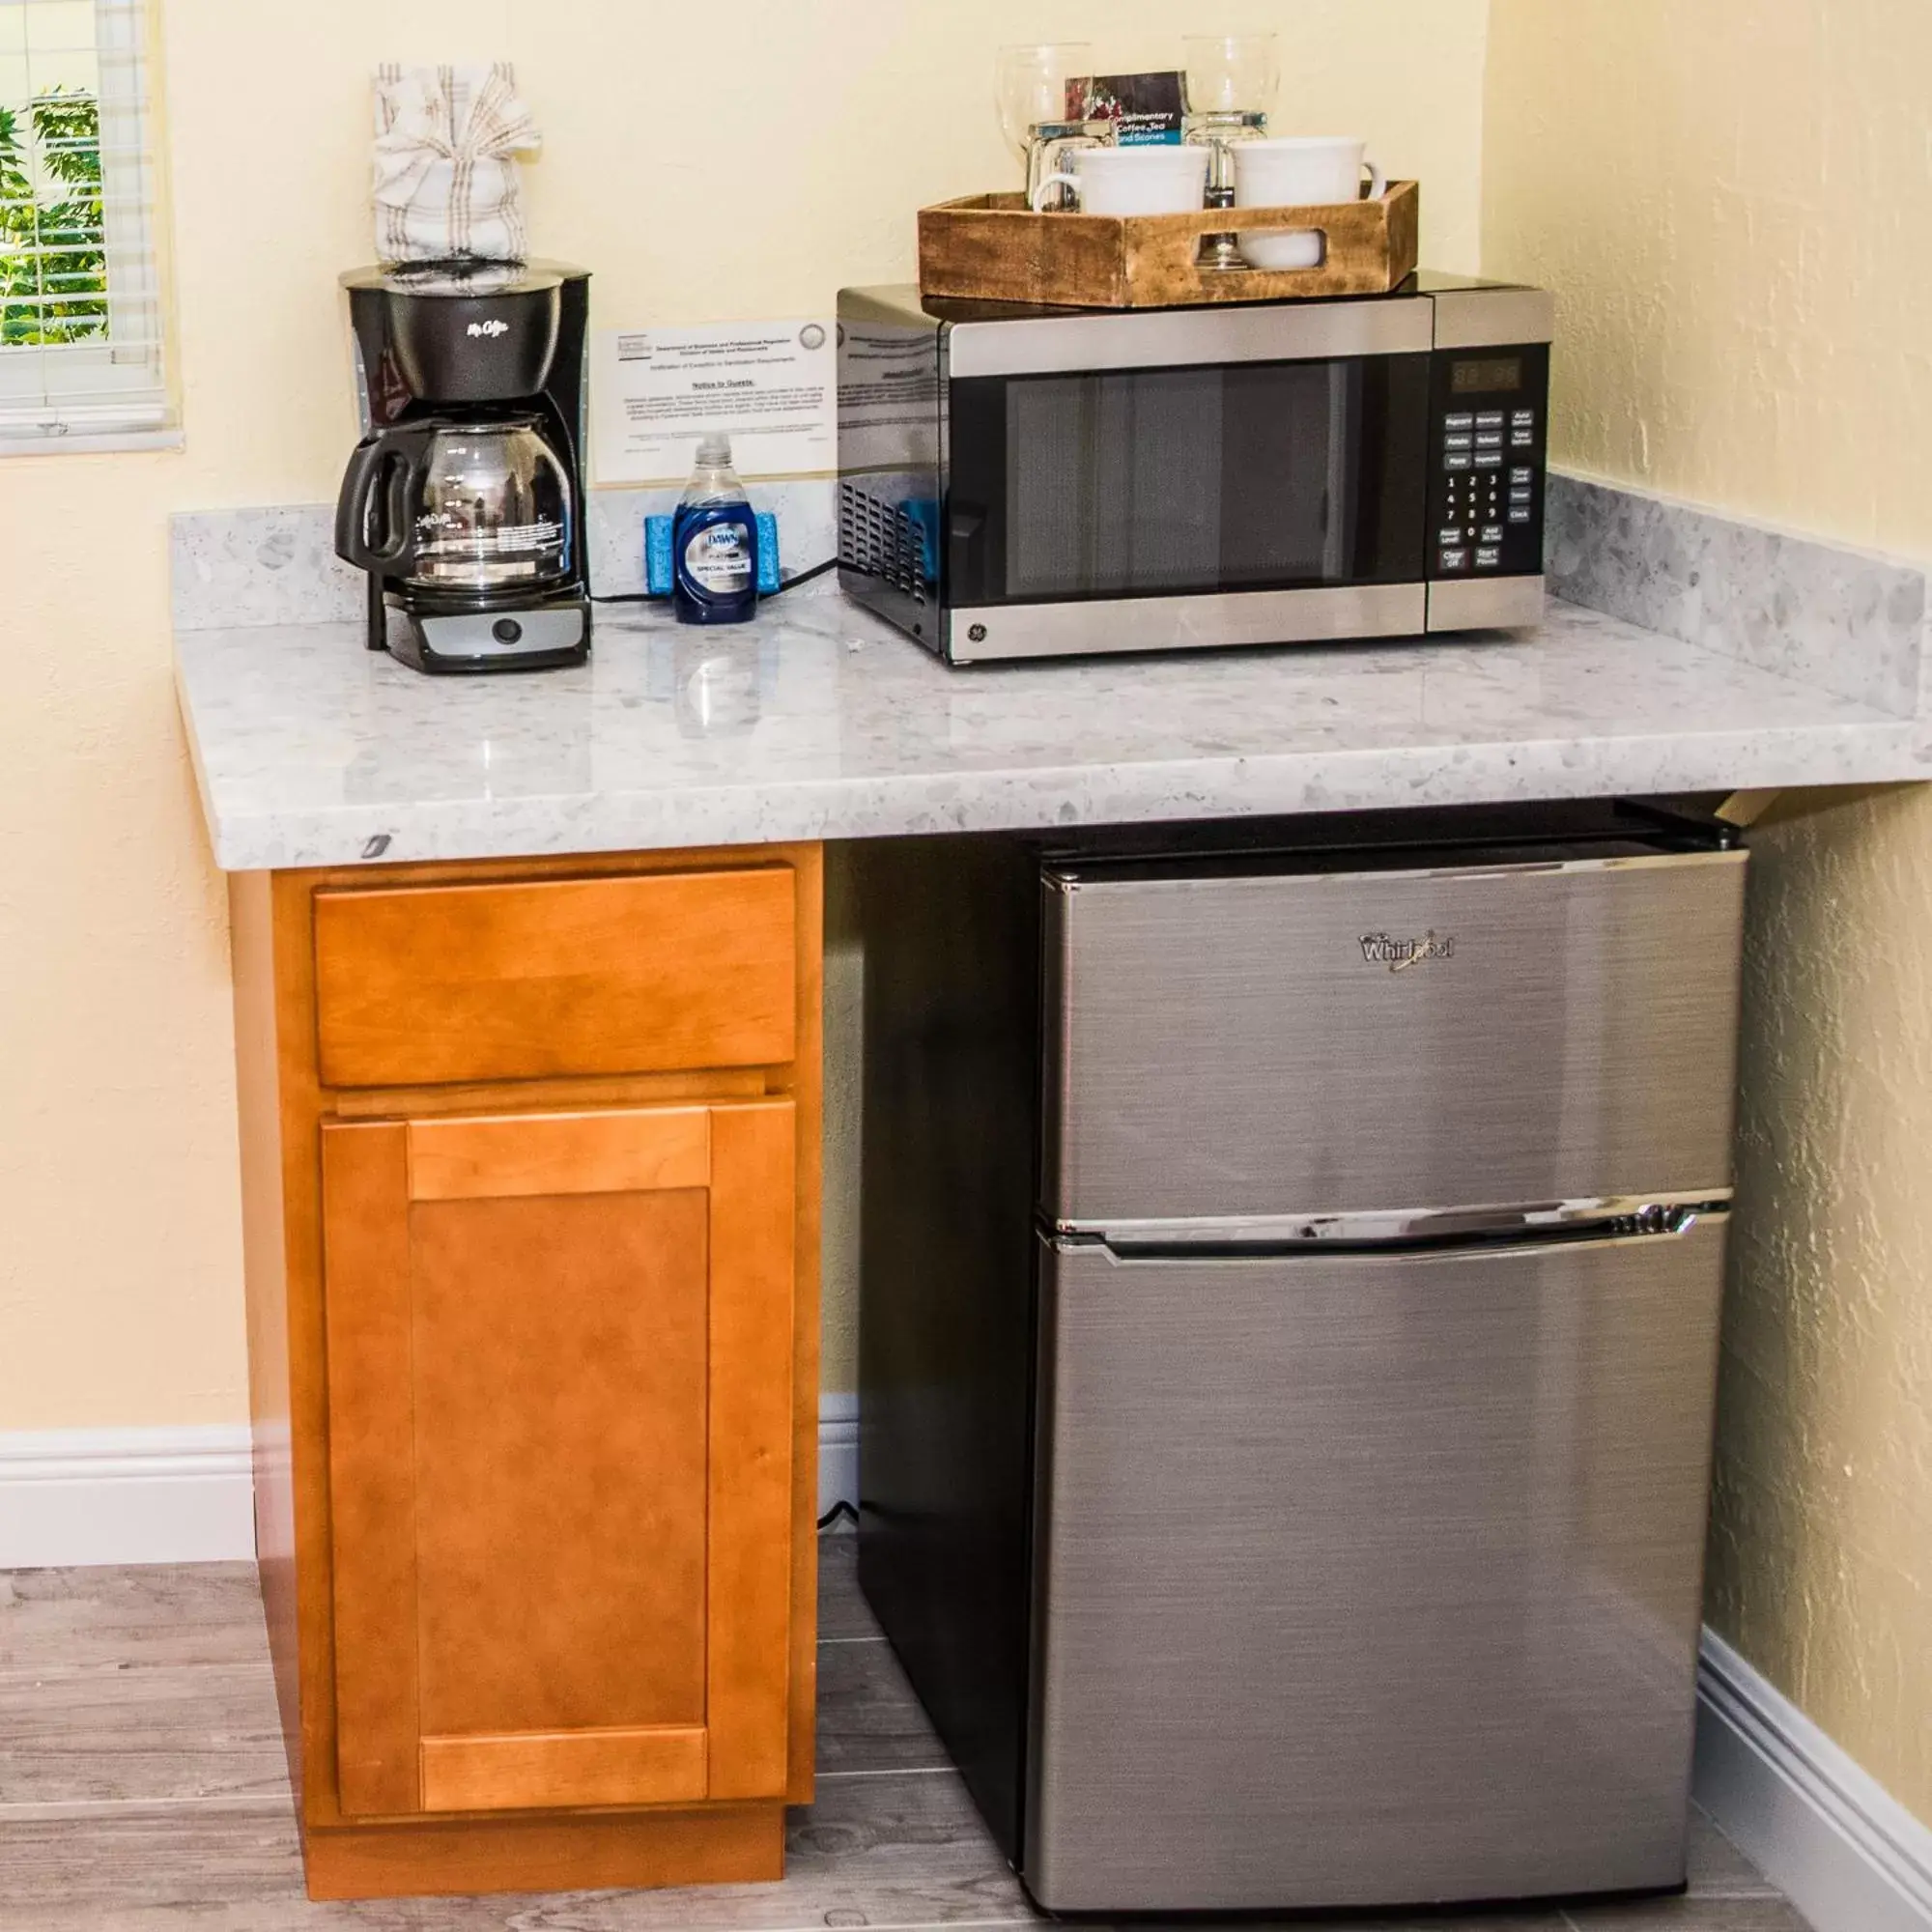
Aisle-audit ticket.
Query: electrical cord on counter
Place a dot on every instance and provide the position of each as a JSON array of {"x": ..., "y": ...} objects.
[
  {"x": 764, "y": 597},
  {"x": 838, "y": 1509}
]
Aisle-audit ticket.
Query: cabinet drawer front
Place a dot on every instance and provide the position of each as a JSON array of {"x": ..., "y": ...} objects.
[{"x": 659, "y": 973}]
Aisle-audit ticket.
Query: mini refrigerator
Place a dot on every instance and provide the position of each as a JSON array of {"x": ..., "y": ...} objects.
[{"x": 1291, "y": 1265}]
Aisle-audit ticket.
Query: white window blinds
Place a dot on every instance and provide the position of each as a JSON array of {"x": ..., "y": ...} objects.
[{"x": 81, "y": 350}]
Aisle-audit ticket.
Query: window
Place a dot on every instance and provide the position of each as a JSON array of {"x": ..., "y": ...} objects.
[{"x": 80, "y": 293}]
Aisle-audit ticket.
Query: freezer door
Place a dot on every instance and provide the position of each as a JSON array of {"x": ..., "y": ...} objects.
[
  {"x": 1301, "y": 1043},
  {"x": 1368, "y": 1579}
]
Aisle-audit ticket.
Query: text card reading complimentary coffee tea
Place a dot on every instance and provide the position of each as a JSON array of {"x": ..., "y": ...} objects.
[{"x": 768, "y": 385}]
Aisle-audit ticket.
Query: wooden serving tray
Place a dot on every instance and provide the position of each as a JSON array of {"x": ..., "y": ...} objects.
[{"x": 992, "y": 247}]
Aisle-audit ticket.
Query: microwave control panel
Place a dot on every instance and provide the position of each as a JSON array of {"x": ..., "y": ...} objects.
[{"x": 1488, "y": 430}]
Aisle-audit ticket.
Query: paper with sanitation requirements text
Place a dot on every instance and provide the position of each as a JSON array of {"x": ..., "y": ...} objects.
[{"x": 769, "y": 385}]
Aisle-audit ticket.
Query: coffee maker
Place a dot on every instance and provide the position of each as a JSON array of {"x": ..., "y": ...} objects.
[{"x": 465, "y": 500}]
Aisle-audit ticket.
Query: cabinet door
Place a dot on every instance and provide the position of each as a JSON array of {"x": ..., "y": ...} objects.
[{"x": 559, "y": 1399}]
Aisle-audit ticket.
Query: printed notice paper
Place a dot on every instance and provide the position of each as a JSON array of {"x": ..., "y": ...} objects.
[{"x": 768, "y": 385}]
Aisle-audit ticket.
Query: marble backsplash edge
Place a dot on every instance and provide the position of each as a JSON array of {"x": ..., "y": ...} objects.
[
  {"x": 239, "y": 568},
  {"x": 1857, "y": 625},
  {"x": 1842, "y": 619}
]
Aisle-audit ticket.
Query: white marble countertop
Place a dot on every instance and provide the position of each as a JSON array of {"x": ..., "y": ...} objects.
[{"x": 820, "y": 723}]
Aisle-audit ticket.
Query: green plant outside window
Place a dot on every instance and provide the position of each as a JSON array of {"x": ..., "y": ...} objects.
[{"x": 53, "y": 260}]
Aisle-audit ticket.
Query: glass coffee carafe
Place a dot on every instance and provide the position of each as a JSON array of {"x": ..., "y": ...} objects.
[{"x": 470, "y": 509}]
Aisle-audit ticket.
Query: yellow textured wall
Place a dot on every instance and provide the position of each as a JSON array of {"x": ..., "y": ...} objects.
[
  {"x": 700, "y": 177},
  {"x": 1732, "y": 200}
]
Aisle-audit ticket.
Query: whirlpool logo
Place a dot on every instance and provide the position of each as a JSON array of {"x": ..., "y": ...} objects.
[
  {"x": 1381, "y": 948},
  {"x": 494, "y": 327}
]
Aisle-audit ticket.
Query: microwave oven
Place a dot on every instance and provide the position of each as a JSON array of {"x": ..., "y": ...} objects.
[{"x": 1019, "y": 482}]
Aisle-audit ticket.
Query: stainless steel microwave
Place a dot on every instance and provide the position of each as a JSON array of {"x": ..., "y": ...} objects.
[{"x": 1026, "y": 483}]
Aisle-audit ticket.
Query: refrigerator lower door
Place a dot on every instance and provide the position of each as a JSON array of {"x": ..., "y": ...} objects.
[{"x": 1368, "y": 1578}]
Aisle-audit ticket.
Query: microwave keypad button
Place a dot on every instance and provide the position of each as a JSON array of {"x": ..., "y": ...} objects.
[
  {"x": 1451, "y": 535},
  {"x": 1456, "y": 442},
  {"x": 1520, "y": 476},
  {"x": 1490, "y": 419},
  {"x": 1522, "y": 439},
  {"x": 1489, "y": 559},
  {"x": 1461, "y": 420},
  {"x": 1523, "y": 420},
  {"x": 1488, "y": 459},
  {"x": 1493, "y": 533},
  {"x": 1451, "y": 560},
  {"x": 1489, "y": 438},
  {"x": 1520, "y": 514},
  {"x": 1455, "y": 459}
]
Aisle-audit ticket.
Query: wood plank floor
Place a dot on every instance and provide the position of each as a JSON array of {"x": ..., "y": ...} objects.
[{"x": 142, "y": 1790}]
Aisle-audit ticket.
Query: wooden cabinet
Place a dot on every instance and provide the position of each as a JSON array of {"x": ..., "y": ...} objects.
[{"x": 534, "y": 1363}]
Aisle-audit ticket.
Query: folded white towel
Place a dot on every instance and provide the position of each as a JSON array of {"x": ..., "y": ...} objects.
[{"x": 447, "y": 183}]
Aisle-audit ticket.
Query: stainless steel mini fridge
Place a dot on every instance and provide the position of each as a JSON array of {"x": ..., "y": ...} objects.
[{"x": 1291, "y": 1275}]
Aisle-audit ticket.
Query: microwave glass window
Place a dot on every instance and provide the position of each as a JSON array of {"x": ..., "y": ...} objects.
[
  {"x": 1150, "y": 482},
  {"x": 1493, "y": 376}
]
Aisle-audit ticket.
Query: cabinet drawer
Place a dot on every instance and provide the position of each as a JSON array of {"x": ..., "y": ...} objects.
[{"x": 662, "y": 972}]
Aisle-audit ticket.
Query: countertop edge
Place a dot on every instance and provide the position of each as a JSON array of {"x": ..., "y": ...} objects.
[{"x": 1036, "y": 798}]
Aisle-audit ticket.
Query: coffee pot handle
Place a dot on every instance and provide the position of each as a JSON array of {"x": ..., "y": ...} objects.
[{"x": 389, "y": 461}]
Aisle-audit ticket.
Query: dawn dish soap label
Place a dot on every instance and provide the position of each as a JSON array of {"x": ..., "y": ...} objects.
[
  {"x": 719, "y": 559},
  {"x": 714, "y": 543}
]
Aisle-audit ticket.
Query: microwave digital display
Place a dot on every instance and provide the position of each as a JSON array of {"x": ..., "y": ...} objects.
[{"x": 1494, "y": 376}]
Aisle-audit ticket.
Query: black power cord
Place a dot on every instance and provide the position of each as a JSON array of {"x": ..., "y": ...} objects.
[
  {"x": 764, "y": 596},
  {"x": 838, "y": 1509}
]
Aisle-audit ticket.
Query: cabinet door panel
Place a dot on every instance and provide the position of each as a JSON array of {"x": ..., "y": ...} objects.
[
  {"x": 560, "y": 1352},
  {"x": 561, "y": 1456}
]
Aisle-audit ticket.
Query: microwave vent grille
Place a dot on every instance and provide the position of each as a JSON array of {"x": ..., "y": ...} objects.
[{"x": 882, "y": 540}]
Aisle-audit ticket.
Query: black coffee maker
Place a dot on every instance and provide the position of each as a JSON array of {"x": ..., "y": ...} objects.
[{"x": 464, "y": 498}]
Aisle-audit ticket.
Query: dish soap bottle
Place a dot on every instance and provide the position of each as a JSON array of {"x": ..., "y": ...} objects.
[{"x": 714, "y": 543}]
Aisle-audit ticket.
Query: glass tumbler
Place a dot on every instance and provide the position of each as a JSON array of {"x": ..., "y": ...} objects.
[
  {"x": 1052, "y": 142},
  {"x": 1030, "y": 88},
  {"x": 1232, "y": 83}
]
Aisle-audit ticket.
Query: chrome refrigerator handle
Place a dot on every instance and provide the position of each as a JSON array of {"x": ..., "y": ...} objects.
[{"x": 1612, "y": 1216}]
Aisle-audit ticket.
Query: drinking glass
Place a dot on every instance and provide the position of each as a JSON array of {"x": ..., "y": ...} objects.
[
  {"x": 1030, "y": 84},
  {"x": 1232, "y": 83},
  {"x": 1232, "y": 73}
]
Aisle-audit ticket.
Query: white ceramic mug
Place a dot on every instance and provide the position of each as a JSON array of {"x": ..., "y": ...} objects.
[
  {"x": 1303, "y": 172},
  {"x": 1153, "y": 179}
]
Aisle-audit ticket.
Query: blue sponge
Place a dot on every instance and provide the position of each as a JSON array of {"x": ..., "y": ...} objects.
[{"x": 658, "y": 564}]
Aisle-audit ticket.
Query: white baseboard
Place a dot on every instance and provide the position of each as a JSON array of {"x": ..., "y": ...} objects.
[
  {"x": 77, "y": 1496},
  {"x": 1840, "y": 1847},
  {"x": 125, "y": 1496},
  {"x": 837, "y": 1451}
]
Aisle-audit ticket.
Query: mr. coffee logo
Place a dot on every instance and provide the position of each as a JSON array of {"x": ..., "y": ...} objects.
[
  {"x": 1380, "y": 948},
  {"x": 494, "y": 326}
]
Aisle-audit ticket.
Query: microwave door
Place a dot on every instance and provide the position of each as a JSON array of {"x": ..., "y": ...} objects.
[{"x": 1210, "y": 502}]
